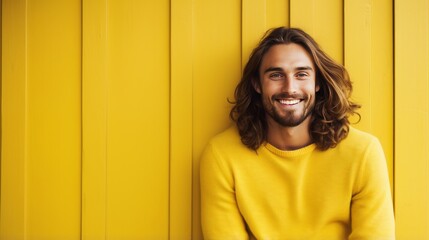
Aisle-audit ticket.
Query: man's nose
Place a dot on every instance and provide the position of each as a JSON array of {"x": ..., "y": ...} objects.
[{"x": 289, "y": 85}]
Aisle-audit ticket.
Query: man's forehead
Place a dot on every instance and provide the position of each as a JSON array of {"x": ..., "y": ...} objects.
[{"x": 287, "y": 55}]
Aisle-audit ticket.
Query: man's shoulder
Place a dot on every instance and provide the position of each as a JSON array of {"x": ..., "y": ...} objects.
[
  {"x": 358, "y": 140},
  {"x": 227, "y": 137},
  {"x": 355, "y": 148},
  {"x": 228, "y": 141},
  {"x": 360, "y": 136}
]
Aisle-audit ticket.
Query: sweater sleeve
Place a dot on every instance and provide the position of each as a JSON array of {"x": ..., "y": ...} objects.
[
  {"x": 372, "y": 208},
  {"x": 220, "y": 216}
]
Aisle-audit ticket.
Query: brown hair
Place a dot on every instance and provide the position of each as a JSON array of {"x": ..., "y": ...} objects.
[{"x": 332, "y": 109}]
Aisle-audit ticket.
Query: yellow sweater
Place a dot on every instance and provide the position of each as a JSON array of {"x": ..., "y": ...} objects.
[{"x": 340, "y": 193}]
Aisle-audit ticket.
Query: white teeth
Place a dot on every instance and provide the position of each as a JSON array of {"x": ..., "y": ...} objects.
[{"x": 289, "y": 102}]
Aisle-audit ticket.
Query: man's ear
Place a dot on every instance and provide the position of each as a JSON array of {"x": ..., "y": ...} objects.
[{"x": 256, "y": 85}]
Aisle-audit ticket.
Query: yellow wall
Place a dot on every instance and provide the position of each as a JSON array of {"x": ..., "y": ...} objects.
[
  {"x": 412, "y": 118},
  {"x": 106, "y": 105},
  {"x": 41, "y": 120}
]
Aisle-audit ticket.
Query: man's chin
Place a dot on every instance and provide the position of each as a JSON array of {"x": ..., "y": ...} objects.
[{"x": 289, "y": 121}]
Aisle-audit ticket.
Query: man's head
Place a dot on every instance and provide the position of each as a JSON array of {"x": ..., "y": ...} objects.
[
  {"x": 317, "y": 90},
  {"x": 287, "y": 85}
]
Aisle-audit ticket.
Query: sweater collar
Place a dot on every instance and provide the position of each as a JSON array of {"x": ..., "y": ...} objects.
[{"x": 292, "y": 153}]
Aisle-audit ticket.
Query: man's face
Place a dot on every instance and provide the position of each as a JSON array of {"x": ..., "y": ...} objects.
[{"x": 287, "y": 84}]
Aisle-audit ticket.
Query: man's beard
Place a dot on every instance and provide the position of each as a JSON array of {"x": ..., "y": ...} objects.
[{"x": 290, "y": 119}]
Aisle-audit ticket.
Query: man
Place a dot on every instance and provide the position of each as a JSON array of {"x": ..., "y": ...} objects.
[{"x": 292, "y": 167}]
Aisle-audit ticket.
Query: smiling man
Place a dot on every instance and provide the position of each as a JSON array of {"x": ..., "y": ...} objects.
[{"x": 292, "y": 167}]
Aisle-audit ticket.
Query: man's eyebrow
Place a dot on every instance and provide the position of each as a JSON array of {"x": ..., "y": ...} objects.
[
  {"x": 304, "y": 68},
  {"x": 275, "y": 69}
]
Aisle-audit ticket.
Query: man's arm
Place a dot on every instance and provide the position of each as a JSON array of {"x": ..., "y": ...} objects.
[
  {"x": 372, "y": 208},
  {"x": 221, "y": 218}
]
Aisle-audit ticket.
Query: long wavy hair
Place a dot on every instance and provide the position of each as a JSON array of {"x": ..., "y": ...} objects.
[{"x": 330, "y": 118}]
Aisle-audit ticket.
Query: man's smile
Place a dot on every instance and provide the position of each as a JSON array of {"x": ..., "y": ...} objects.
[{"x": 289, "y": 102}]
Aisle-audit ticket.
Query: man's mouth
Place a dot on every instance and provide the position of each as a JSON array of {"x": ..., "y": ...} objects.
[{"x": 289, "y": 102}]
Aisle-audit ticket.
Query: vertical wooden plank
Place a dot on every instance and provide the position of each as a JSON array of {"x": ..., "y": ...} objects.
[
  {"x": 357, "y": 52},
  {"x": 1, "y": 66},
  {"x": 369, "y": 60},
  {"x": 53, "y": 119},
  {"x": 277, "y": 13},
  {"x": 412, "y": 119},
  {"x": 13, "y": 207},
  {"x": 257, "y": 18},
  {"x": 323, "y": 20},
  {"x": 181, "y": 120},
  {"x": 253, "y": 26},
  {"x": 216, "y": 70},
  {"x": 302, "y": 15},
  {"x": 138, "y": 69},
  {"x": 381, "y": 75},
  {"x": 94, "y": 119}
]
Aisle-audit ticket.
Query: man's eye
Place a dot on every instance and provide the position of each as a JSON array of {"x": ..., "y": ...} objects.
[
  {"x": 276, "y": 75},
  {"x": 302, "y": 75}
]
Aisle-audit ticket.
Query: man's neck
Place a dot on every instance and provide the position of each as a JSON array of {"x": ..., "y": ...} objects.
[{"x": 289, "y": 138}]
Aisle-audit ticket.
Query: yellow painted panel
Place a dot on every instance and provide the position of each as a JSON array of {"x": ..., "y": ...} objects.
[
  {"x": 253, "y": 26},
  {"x": 216, "y": 70},
  {"x": 181, "y": 120},
  {"x": 277, "y": 13},
  {"x": 126, "y": 106},
  {"x": 53, "y": 119},
  {"x": 412, "y": 119},
  {"x": 357, "y": 43},
  {"x": 382, "y": 78},
  {"x": 323, "y": 20},
  {"x": 259, "y": 16},
  {"x": 369, "y": 60},
  {"x": 13, "y": 121},
  {"x": 94, "y": 119},
  {"x": 138, "y": 119}
]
